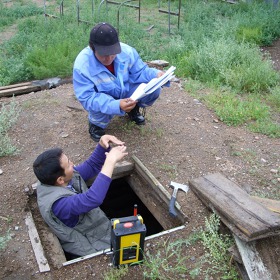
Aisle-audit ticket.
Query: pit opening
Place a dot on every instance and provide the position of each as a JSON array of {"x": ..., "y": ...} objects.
[
  {"x": 119, "y": 202},
  {"x": 132, "y": 184}
]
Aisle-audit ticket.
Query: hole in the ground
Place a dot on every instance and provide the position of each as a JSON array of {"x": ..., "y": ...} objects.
[
  {"x": 131, "y": 185},
  {"x": 119, "y": 202}
]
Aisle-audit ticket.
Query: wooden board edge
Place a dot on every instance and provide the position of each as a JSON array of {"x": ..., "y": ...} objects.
[
  {"x": 36, "y": 244},
  {"x": 252, "y": 262},
  {"x": 271, "y": 204}
]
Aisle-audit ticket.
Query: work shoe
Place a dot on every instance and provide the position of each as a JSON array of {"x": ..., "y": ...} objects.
[
  {"x": 95, "y": 132},
  {"x": 135, "y": 116}
]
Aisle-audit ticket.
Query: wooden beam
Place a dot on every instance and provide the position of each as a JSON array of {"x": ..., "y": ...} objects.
[
  {"x": 23, "y": 88},
  {"x": 36, "y": 244},
  {"x": 19, "y": 90},
  {"x": 15, "y": 85},
  {"x": 248, "y": 219}
]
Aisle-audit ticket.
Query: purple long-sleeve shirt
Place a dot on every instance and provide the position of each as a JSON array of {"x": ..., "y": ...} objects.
[{"x": 68, "y": 209}]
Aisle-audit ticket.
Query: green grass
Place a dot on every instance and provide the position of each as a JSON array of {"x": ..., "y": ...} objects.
[
  {"x": 217, "y": 245},
  {"x": 10, "y": 14},
  {"x": 4, "y": 240},
  {"x": 116, "y": 273},
  {"x": 8, "y": 116}
]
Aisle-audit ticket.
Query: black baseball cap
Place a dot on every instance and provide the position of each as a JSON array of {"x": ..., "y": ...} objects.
[{"x": 104, "y": 37}]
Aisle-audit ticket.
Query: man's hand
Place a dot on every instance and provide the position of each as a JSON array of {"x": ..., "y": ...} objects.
[
  {"x": 106, "y": 139},
  {"x": 116, "y": 154},
  {"x": 127, "y": 104},
  {"x": 159, "y": 74}
]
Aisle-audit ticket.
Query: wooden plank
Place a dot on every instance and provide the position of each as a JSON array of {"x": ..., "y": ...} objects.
[
  {"x": 271, "y": 204},
  {"x": 252, "y": 261},
  {"x": 15, "y": 85},
  {"x": 243, "y": 215},
  {"x": 18, "y": 90},
  {"x": 23, "y": 88},
  {"x": 54, "y": 251},
  {"x": 36, "y": 244}
]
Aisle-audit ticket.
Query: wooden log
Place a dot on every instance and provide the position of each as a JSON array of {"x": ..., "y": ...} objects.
[
  {"x": 16, "y": 85},
  {"x": 248, "y": 219},
  {"x": 36, "y": 244},
  {"x": 19, "y": 90},
  {"x": 23, "y": 88}
]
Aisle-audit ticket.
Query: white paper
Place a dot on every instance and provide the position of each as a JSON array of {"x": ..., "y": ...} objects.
[
  {"x": 139, "y": 92},
  {"x": 145, "y": 89}
]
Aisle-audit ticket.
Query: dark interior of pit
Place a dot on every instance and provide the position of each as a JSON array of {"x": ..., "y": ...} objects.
[{"x": 120, "y": 201}]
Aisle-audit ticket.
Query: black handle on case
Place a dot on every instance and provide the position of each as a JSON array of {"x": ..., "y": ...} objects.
[{"x": 172, "y": 210}]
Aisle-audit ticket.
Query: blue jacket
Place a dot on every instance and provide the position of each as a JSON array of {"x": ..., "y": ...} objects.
[{"x": 99, "y": 90}]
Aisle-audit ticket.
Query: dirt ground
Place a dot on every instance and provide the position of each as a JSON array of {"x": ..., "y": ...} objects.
[{"x": 181, "y": 140}]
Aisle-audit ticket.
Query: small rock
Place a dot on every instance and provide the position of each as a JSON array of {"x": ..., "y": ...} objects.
[
  {"x": 197, "y": 101},
  {"x": 215, "y": 120},
  {"x": 274, "y": 171},
  {"x": 64, "y": 135},
  {"x": 1, "y": 171},
  {"x": 161, "y": 63},
  {"x": 175, "y": 80},
  {"x": 263, "y": 160},
  {"x": 16, "y": 228}
]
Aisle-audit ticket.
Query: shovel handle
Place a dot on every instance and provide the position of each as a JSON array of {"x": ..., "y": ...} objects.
[{"x": 172, "y": 210}]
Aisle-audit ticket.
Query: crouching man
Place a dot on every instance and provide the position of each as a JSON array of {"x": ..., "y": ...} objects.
[{"x": 68, "y": 206}]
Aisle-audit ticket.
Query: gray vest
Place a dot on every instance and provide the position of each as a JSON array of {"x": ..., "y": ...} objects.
[{"x": 93, "y": 230}]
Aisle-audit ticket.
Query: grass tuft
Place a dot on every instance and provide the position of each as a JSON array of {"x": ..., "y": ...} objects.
[{"x": 8, "y": 116}]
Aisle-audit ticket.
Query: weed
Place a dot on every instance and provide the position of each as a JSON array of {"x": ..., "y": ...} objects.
[
  {"x": 169, "y": 169},
  {"x": 116, "y": 273},
  {"x": 267, "y": 127},
  {"x": 217, "y": 245},
  {"x": 4, "y": 240},
  {"x": 8, "y": 116},
  {"x": 273, "y": 99},
  {"x": 158, "y": 266},
  {"x": 128, "y": 127}
]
